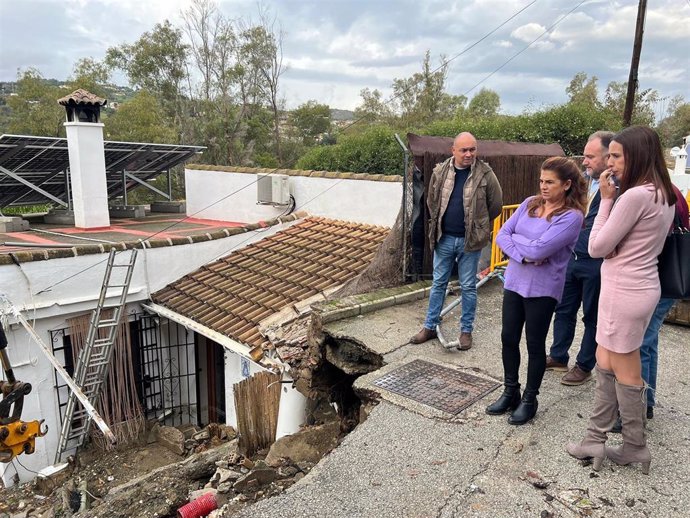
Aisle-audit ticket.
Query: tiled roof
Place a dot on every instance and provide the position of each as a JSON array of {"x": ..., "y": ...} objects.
[
  {"x": 81, "y": 96},
  {"x": 234, "y": 294},
  {"x": 297, "y": 172},
  {"x": 79, "y": 249}
]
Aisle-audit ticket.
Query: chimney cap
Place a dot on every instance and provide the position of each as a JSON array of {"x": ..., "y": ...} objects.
[{"x": 82, "y": 97}]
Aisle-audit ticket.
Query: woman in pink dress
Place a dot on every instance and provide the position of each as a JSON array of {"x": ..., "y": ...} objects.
[{"x": 629, "y": 233}]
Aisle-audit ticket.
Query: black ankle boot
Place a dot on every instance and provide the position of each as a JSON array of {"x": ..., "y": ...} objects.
[
  {"x": 527, "y": 409},
  {"x": 509, "y": 400}
]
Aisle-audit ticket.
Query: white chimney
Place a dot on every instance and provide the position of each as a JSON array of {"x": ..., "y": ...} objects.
[{"x": 86, "y": 159}]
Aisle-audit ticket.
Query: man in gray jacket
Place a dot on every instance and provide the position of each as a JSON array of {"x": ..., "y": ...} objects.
[{"x": 464, "y": 198}]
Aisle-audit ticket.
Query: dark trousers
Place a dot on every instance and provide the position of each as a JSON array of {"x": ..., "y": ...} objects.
[
  {"x": 582, "y": 284},
  {"x": 534, "y": 314}
]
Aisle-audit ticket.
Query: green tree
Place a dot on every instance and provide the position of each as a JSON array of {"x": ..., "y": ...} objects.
[
  {"x": 485, "y": 104},
  {"x": 373, "y": 150},
  {"x": 584, "y": 90},
  {"x": 141, "y": 119},
  {"x": 91, "y": 75},
  {"x": 261, "y": 46},
  {"x": 34, "y": 110},
  {"x": 643, "y": 108},
  {"x": 676, "y": 125},
  {"x": 421, "y": 98},
  {"x": 373, "y": 108},
  {"x": 156, "y": 62},
  {"x": 311, "y": 120}
]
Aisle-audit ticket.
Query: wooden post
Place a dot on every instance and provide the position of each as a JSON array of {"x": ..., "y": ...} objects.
[{"x": 634, "y": 65}]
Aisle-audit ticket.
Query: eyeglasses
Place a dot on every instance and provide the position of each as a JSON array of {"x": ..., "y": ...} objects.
[{"x": 464, "y": 150}]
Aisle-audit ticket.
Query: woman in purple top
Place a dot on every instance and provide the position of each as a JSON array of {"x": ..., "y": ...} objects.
[{"x": 538, "y": 238}]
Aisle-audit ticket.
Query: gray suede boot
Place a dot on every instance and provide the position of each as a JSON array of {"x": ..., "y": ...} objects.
[
  {"x": 602, "y": 418},
  {"x": 632, "y": 405}
]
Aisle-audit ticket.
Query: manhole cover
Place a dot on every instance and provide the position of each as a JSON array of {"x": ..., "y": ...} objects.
[{"x": 446, "y": 389}]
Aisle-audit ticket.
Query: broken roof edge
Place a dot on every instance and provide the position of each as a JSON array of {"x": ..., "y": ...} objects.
[
  {"x": 298, "y": 172},
  {"x": 255, "y": 355},
  {"x": 78, "y": 250},
  {"x": 354, "y": 305}
]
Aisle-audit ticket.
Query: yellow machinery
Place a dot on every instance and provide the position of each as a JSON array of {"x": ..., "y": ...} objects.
[{"x": 16, "y": 436}]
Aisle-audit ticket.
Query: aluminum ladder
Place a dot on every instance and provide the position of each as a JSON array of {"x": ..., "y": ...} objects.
[{"x": 91, "y": 370}]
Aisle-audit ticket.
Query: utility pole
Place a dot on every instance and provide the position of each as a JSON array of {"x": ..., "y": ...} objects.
[{"x": 637, "y": 49}]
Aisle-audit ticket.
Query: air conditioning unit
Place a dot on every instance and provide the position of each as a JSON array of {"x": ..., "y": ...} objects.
[{"x": 273, "y": 189}]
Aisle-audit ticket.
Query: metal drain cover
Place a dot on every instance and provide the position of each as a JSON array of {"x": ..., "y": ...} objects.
[{"x": 439, "y": 387}]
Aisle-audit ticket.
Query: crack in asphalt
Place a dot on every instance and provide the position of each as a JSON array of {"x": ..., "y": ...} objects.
[{"x": 485, "y": 467}]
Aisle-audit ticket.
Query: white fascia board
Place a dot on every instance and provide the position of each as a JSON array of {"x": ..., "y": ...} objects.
[{"x": 230, "y": 344}]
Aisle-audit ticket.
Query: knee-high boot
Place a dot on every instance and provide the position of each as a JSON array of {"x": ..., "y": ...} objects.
[
  {"x": 632, "y": 406},
  {"x": 602, "y": 419}
]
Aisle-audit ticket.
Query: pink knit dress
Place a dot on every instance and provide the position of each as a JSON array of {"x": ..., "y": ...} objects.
[{"x": 629, "y": 235}]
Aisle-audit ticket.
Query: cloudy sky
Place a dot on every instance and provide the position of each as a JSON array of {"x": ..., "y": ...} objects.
[{"x": 335, "y": 48}]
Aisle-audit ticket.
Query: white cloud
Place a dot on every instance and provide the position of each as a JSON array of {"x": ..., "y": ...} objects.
[
  {"x": 335, "y": 48},
  {"x": 528, "y": 32}
]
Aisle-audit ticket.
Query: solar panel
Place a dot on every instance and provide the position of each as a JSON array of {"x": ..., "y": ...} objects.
[{"x": 43, "y": 161}]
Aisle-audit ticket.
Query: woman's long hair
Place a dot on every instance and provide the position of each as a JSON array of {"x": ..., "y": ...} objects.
[
  {"x": 644, "y": 161},
  {"x": 575, "y": 196}
]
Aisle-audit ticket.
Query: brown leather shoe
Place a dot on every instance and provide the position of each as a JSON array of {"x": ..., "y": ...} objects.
[
  {"x": 423, "y": 336},
  {"x": 465, "y": 342},
  {"x": 575, "y": 376},
  {"x": 553, "y": 365}
]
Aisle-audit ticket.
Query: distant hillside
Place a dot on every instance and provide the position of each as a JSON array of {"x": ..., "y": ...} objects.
[
  {"x": 342, "y": 115},
  {"x": 113, "y": 93}
]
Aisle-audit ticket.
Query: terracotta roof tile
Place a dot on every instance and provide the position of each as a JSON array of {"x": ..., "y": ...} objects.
[
  {"x": 81, "y": 96},
  {"x": 232, "y": 295}
]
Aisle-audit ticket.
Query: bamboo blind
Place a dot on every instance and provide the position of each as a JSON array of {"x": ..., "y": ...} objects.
[
  {"x": 256, "y": 402},
  {"x": 118, "y": 403}
]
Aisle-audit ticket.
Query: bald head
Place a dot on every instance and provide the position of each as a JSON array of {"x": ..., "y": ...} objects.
[{"x": 464, "y": 150}]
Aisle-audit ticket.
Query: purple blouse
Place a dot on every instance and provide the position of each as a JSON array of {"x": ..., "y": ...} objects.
[{"x": 549, "y": 243}]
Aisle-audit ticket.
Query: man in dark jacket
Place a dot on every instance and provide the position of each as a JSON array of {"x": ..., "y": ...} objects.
[
  {"x": 464, "y": 198},
  {"x": 582, "y": 281}
]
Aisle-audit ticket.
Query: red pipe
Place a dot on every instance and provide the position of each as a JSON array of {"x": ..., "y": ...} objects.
[{"x": 202, "y": 506}]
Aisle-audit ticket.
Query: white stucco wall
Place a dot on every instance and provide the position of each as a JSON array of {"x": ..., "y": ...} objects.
[{"x": 230, "y": 196}]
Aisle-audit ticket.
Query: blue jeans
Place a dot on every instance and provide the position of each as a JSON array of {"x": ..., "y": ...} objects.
[
  {"x": 649, "y": 352},
  {"x": 448, "y": 250},
  {"x": 582, "y": 284}
]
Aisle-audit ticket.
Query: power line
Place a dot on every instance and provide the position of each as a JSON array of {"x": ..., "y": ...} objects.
[
  {"x": 234, "y": 247},
  {"x": 151, "y": 236},
  {"x": 217, "y": 257},
  {"x": 548, "y": 29},
  {"x": 445, "y": 63}
]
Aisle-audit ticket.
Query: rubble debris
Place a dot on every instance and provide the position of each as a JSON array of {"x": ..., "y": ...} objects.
[
  {"x": 172, "y": 438},
  {"x": 162, "y": 491},
  {"x": 257, "y": 477},
  {"x": 51, "y": 477},
  {"x": 308, "y": 445},
  {"x": 350, "y": 355}
]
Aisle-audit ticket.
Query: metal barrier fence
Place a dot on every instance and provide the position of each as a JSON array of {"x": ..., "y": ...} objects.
[{"x": 497, "y": 258}]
